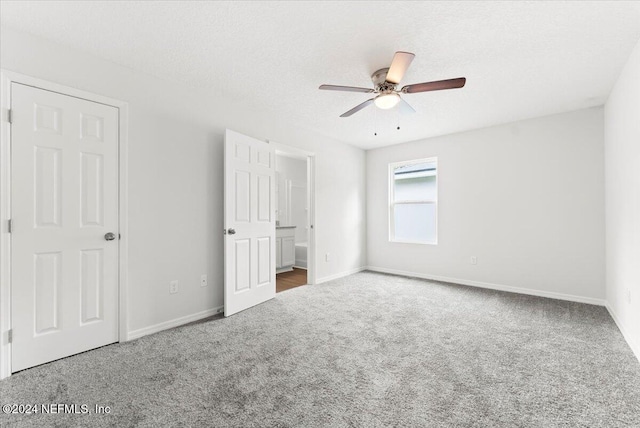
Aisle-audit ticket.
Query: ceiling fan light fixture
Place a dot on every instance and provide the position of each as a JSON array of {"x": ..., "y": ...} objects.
[{"x": 387, "y": 100}]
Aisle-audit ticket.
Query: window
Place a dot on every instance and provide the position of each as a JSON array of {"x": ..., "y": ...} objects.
[{"x": 413, "y": 201}]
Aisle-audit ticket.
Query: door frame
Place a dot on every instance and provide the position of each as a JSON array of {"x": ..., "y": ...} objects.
[
  {"x": 6, "y": 79},
  {"x": 311, "y": 198}
]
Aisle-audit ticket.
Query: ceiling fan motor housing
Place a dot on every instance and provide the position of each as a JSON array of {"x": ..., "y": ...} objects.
[{"x": 379, "y": 79}]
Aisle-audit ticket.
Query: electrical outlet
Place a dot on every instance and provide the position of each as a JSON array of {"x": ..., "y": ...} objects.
[
  {"x": 173, "y": 287},
  {"x": 203, "y": 280},
  {"x": 327, "y": 257},
  {"x": 474, "y": 260},
  {"x": 629, "y": 295}
]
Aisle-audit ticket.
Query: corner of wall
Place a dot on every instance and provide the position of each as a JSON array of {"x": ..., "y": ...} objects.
[
  {"x": 635, "y": 346},
  {"x": 622, "y": 209}
]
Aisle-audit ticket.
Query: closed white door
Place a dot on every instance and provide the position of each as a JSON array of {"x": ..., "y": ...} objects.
[
  {"x": 249, "y": 215},
  {"x": 64, "y": 265}
]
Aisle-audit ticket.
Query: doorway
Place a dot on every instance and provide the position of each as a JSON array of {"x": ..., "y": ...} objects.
[
  {"x": 294, "y": 225},
  {"x": 256, "y": 247}
]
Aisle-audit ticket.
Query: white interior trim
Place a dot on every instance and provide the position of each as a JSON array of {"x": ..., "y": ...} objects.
[
  {"x": 635, "y": 347},
  {"x": 284, "y": 150},
  {"x": 6, "y": 78},
  {"x": 123, "y": 223},
  {"x": 341, "y": 274},
  {"x": 5, "y": 238},
  {"x": 176, "y": 322},
  {"x": 500, "y": 287},
  {"x": 290, "y": 151}
]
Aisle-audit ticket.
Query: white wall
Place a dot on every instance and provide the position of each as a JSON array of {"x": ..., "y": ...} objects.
[
  {"x": 622, "y": 185},
  {"x": 291, "y": 171},
  {"x": 527, "y": 199},
  {"x": 175, "y": 177}
]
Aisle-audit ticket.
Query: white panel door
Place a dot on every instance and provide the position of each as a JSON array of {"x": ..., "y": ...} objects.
[
  {"x": 249, "y": 216},
  {"x": 64, "y": 271}
]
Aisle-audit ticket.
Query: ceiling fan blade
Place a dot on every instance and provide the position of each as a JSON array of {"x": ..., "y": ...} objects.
[
  {"x": 435, "y": 86},
  {"x": 399, "y": 65},
  {"x": 345, "y": 88},
  {"x": 357, "y": 108},
  {"x": 405, "y": 108}
]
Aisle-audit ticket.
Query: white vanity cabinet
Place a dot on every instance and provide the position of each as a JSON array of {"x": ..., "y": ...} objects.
[{"x": 285, "y": 248}]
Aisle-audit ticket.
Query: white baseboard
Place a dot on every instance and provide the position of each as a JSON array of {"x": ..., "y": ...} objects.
[
  {"x": 500, "y": 287},
  {"x": 340, "y": 275},
  {"x": 135, "y": 334},
  {"x": 635, "y": 347}
]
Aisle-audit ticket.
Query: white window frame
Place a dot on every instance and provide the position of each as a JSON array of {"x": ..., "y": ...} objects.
[{"x": 392, "y": 203}]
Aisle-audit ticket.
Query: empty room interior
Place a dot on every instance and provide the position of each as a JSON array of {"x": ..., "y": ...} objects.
[{"x": 320, "y": 214}]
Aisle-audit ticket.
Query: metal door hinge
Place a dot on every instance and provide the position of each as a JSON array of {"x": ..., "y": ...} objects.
[
  {"x": 10, "y": 336},
  {"x": 9, "y": 119},
  {"x": 9, "y": 226}
]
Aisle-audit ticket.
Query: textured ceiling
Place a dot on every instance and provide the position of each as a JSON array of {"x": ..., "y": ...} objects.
[{"x": 521, "y": 59}]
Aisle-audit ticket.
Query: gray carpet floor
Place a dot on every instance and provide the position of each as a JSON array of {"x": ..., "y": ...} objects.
[{"x": 368, "y": 350}]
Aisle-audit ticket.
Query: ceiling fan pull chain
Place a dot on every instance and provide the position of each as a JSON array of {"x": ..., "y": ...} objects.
[{"x": 375, "y": 122}]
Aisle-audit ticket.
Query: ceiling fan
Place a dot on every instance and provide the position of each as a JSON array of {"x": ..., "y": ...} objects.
[{"x": 385, "y": 82}]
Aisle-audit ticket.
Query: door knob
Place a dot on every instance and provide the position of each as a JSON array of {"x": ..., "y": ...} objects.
[
  {"x": 231, "y": 232},
  {"x": 109, "y": 236}
]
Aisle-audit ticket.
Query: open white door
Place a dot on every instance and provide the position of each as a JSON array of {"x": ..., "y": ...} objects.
[
  {"x": 250, "y": 225},
  {"x": 64, "y": 259}
]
